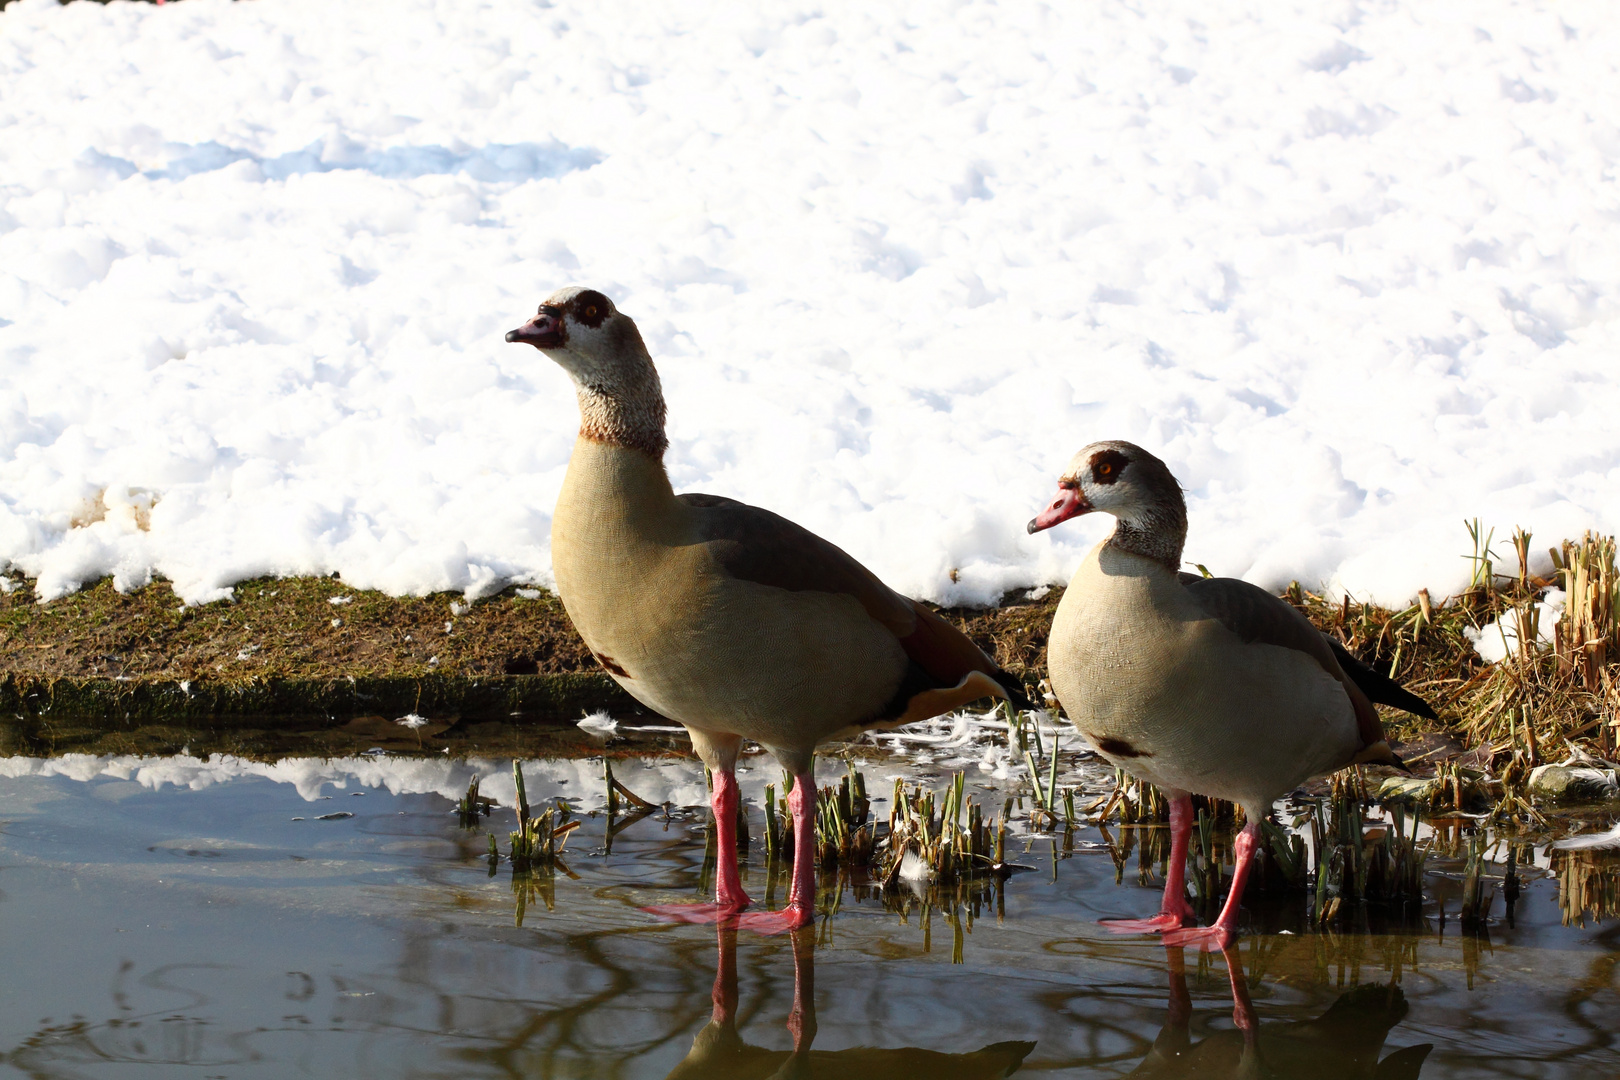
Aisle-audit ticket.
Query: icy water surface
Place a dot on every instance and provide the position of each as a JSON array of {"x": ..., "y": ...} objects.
[{"x": 213, "y": 918}]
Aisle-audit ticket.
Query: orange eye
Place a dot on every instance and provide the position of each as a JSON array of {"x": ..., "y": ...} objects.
[
  {"x": 590, "y": 312},
  {"x": 1105, "y": 469}
]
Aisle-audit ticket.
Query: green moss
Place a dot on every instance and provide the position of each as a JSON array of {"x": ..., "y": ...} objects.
[{"x": 285, "y": 628}]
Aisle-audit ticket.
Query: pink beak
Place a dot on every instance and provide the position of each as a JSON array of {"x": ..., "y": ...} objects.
[{"x": 1069, "y": 503}]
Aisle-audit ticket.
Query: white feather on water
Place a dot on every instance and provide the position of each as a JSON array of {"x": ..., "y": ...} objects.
[
  {"x": 599, "y": 723},
  {"x": 914, "y": 869},
  {"x": 1593, "y": 842}
]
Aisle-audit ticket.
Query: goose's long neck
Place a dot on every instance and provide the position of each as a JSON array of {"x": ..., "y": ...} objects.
[
  {"x": 1158, "y": 533},
  {"x": 616, "y": 494},
  {"x": 628, "y": 416}
]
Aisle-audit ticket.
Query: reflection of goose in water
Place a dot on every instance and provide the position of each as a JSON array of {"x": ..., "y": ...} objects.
[
  {"x": 1341, "y": 1044},
  {"x": 719, "y": 1052}
]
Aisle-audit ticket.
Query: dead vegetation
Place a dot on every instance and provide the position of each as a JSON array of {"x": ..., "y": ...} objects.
[{"x": 1533, "y": 705}]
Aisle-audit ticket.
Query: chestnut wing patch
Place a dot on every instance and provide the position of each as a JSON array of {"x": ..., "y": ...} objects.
[
  {"x": 757, "y": 545},
  {"x": 611, "y": 664},
  {"x": 1120, "y": 748}
]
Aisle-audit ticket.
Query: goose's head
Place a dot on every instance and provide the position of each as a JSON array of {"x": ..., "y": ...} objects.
[
  {"x": 592, "y": 340},
  {"x": 1118, "y": 478},
  {"x": 620, "y": 398}
]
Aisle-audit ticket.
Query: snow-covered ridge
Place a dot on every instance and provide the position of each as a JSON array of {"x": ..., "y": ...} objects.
[
  {"x": 976, "y": 743},
  {"x": 1350, "y": 269},
  {"x": 315, "y": 777}
]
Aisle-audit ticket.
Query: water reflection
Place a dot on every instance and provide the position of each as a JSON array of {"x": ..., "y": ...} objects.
[
  {"x": 1342, "y": 1043},
  {"x": 720, "y": 1053},
  {"x": 183, "y": 913},
  {"x": 1588, "y": 885}
]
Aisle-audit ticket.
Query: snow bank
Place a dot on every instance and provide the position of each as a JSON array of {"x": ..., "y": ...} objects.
[
  {"x": 1350, "y": 268},
  {"x": 972, "y": 742},
  {"x": 1499, "y": 639}
]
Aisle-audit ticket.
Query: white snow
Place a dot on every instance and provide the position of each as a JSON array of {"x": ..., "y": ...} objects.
[
  {"x": 1499, "y": 639},
  {"x": 577, "y": 779},
  {"x": 1350, "y": 268}
]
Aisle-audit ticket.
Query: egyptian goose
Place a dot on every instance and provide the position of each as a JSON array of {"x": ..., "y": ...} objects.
[
  {"x": 1197, "y": 685},
  {"x": 729, "y": 619}
]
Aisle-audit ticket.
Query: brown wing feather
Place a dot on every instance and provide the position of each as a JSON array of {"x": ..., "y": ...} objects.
[
  {"x": 942, "y": 650},
  {"x": 1255, "y": 615},
  {"x": 756, "y": 545}
]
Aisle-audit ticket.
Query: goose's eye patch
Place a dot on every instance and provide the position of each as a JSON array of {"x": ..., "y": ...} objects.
[
  {"x": 590, "y": 308},
  {"x": 1106, "y": 466}
]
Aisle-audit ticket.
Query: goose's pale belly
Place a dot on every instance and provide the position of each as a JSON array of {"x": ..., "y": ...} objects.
[{"x": 1174, "y": 697}]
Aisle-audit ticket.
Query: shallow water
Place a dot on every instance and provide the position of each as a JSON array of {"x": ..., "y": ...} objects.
[{"x": 194, "y": 917}]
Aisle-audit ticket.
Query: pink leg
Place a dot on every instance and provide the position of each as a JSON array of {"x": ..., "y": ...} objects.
[
  {"x": 1173, "y": 1040},
  {"x": 802, "y": 1020},
  {"x": 1242, "y": 1008},
  {"x": 1224, "y": 932},
  {"x": 1174, "y": 911},
  {"x": 729, "y": 897},
  {"x": 725, "y": 976},
  {"x": 1180, "y": 1000},
  {"x": 801, "y": 905}
]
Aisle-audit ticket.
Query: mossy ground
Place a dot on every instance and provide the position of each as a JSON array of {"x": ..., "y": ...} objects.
[
  {"x": 318, "y": 630},
  {"x": 301, "y": 628}
]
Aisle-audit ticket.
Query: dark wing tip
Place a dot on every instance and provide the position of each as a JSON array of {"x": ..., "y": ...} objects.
[
  {"x": 1376, "y": 685},
  {"x": 1017, "y": 692}
]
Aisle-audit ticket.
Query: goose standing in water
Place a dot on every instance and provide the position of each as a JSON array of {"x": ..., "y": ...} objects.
[
  {"x": 1207, "y": 686},
  {"x": 727, "y": 618}
]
